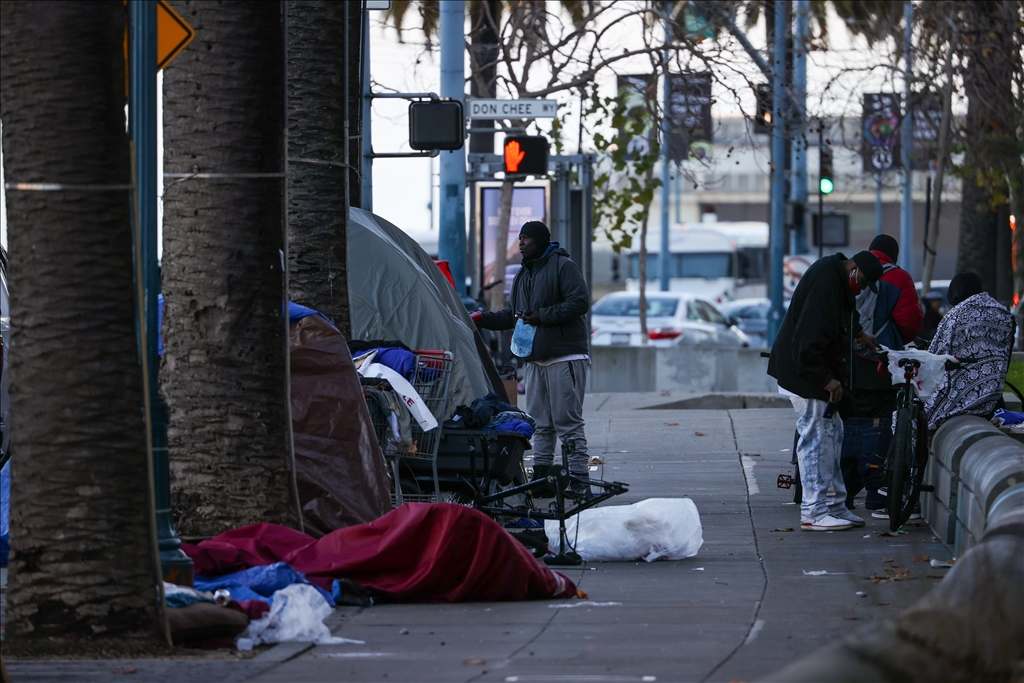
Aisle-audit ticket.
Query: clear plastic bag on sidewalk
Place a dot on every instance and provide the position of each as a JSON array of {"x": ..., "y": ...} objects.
[
  {"x": 297, "y": 616},
  {"x": 653, "y": 529}
]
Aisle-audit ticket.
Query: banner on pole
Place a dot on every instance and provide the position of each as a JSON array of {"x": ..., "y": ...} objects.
[
  {"x": 880, "y": 145},
  {"x": 640, "y": 93},
  {"x": 689, "y": 116}
]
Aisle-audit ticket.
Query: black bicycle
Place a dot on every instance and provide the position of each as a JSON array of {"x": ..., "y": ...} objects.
[{"x": 908, "y": 452}]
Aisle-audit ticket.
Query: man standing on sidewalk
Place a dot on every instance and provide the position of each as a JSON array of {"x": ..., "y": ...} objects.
[
  {"x": 810, "y": 359},
  {"x": 550, "y": 294},
  {"x": 893, "y": 317}
]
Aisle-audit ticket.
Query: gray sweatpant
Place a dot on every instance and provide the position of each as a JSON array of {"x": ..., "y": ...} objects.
[{"x": 554, "y": 398}]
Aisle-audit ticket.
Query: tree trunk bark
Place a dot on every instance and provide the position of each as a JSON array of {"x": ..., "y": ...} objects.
[
  {"x": 932, "y": 230},
  {"x": 224, "y": 362},
  {"x": 318, "y": 126},
  {"x": 355, "y": 105},
  {"x": 83, "y": 563},
  {"x": 484, "y": 18},
  {"x": 497, "y": 294}
]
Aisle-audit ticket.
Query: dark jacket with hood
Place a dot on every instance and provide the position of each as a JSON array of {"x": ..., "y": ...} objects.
[
  {"x": 552, "y": 285},
  {"x": 813, "y": 344}
]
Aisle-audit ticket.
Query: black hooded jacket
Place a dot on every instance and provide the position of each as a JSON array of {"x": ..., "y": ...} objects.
[
  {"x": 813, "y": 344},
  {"x": 553, "y": 286}
]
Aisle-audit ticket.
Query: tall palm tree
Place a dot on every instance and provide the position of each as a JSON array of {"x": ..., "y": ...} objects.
[
  {"x": 319, "y": 126},
  {"x": 223, "y": 371},
  {"x": 82, "y": 563}
]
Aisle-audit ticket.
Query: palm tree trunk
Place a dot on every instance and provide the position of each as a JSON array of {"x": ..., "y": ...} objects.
[
  {"x": 224, "y": 362},
  {"x": 497, "y": 294},
  {"x": 82, "y": 563},
  {"x": 318, "y": 130}
]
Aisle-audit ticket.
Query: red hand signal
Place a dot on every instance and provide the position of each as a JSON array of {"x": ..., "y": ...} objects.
[{"x": 513, "y": 156}]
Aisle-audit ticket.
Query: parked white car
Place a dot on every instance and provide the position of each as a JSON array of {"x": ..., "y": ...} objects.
[{"x": 673, "y": 319}]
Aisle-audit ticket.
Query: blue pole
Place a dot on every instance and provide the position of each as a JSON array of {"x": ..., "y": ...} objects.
[
  {"x": 175, "y": 564},
  {"x": 679, "y": 192},
  {"x": 907, "y": 144},
  {"x": 366, "y": 163},
  {"x": 878, "y": 204},
  {"x": 452, "y": 232},
  {"x": 798, "y": 187},
  {"x": 663, "y": 253},
  {"x": 778, "y": 213}
]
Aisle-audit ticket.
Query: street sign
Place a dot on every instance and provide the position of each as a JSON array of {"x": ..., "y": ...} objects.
[
  {"x": 512, "y": 109},
  {"x": 172, "y": 34}
]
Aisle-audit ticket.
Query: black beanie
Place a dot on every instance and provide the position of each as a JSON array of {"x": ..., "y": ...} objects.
[
  {"x": 963, "y": 286},
  {"x": 888, "y": 245},
  {"x": 538, "y": 231}
]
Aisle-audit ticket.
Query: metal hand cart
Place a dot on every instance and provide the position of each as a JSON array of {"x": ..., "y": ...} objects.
[{"x": 432, "y": 381}]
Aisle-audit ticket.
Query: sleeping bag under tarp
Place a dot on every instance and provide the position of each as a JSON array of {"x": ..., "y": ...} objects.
[
  {"x": 419, "y": 552},
  {"x": 396, "y": 291}
]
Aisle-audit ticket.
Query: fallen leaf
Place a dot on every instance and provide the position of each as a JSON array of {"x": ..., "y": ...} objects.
[
  {"x": 582, "y": 594},
  {"x": 671, "y": 424},
  {"x": 473, "y": 662},
  {"x": 133, "y": 670},
  {"x": 698, "y": 433},
  {"x": 596, "y": 461},
  {"x": 887, "y": 533},
  {"x": 934, "y": 576},
  {"x": 779, "y": 538},
  {"x": 881, "y": 604},
  {"x": 788, "y": 528},
  {"x": 887, "y": 559},
  {"x": 666, "y": 393},
  {"x": 851, "y": 618},
  {"x": 922, "y": 558},
  {"x": 752, "y": 455}
]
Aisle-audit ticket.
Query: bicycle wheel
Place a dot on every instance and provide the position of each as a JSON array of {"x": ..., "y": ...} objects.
[{"x": 899, "y": 498}]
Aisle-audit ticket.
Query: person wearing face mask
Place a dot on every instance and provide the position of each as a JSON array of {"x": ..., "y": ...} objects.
[{"x": 810, "y": 359}]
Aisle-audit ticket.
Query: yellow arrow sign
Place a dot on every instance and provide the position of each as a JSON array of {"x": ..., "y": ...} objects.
[{"x": 172, "y": 34}]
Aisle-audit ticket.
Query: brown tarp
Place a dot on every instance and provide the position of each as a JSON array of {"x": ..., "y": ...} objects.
[{"x": 342, "y": 477}]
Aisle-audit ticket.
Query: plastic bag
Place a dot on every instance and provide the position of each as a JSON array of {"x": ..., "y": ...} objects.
[
  {"x": 656, "y": 528},
  {"x": 522, "y": 339},
  {"x": 417, "y": 408},
  {"x": 297, "y": 616},
  {"x": 928, "y": 376}
]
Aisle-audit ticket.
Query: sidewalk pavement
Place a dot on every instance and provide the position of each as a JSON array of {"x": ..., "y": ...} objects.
[{"x": 755, "y": 598}]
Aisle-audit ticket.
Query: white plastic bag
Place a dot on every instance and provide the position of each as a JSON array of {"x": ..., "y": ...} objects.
[
  {"x": 929, "y": 375},
  {"x": 656, "y": 528},
  {"x": 417, "y": 408},
  {"x": 297, "y": 615}
]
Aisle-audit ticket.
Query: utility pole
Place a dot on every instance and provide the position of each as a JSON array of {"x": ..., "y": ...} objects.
[
  {"x": 663, "y": 255},
  {"x": 175, "y": 564},
  {"x": 907, "y": 145},
  {"x": 778, "y": 209},
  {"x": 451, "y": 244},
  {"x": 798, "y": 187},
  {"x": 367, "y": 146}
]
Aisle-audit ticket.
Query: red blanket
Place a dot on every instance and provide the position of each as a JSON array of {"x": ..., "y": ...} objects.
[{"x": 436, "y": 552}]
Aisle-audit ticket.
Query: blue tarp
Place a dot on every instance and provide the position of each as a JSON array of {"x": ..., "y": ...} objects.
[
  {"x": 5, "y": 512},
  {"x": 297, "y": 312},
  {"x": 257, "y": 583}
]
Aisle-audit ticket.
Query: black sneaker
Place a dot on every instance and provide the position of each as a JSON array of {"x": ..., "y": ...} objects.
[{"x": 579, "y": 490}]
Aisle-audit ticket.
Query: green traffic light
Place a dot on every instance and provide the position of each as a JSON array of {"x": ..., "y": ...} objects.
[{"x": 826, "y": 185}]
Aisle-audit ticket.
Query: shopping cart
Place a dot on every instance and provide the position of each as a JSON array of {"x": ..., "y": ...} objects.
[{"x": 432, "y": 381}]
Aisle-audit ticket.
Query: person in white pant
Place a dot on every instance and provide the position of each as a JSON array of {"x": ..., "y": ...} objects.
[
  {"x": 810, "y": 359},
  {"x": 550, "y": 297}
]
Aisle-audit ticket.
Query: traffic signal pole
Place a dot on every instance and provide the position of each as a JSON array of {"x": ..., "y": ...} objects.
[
  {"x": 907, "y": 145},
  {"x": 778, "y": 211},
  {"x": 798, "y": 186},
  {"x": 452, "y": 230}
]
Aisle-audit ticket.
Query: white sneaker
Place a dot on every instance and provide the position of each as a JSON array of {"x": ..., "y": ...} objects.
[
  {"x": 848, "y": 516},
  {"x": 827, "y": 523}
]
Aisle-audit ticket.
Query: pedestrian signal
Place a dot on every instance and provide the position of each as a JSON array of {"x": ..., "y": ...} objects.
[{"x": 526, "y": 155}]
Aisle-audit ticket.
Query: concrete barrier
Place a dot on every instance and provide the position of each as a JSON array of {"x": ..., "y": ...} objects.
[{"x": 684, "y": 369}]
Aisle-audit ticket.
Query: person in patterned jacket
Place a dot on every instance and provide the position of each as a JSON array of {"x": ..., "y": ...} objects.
[
  {"x": 894, "y": 317},
  {"x": 977, "y": 327}
]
